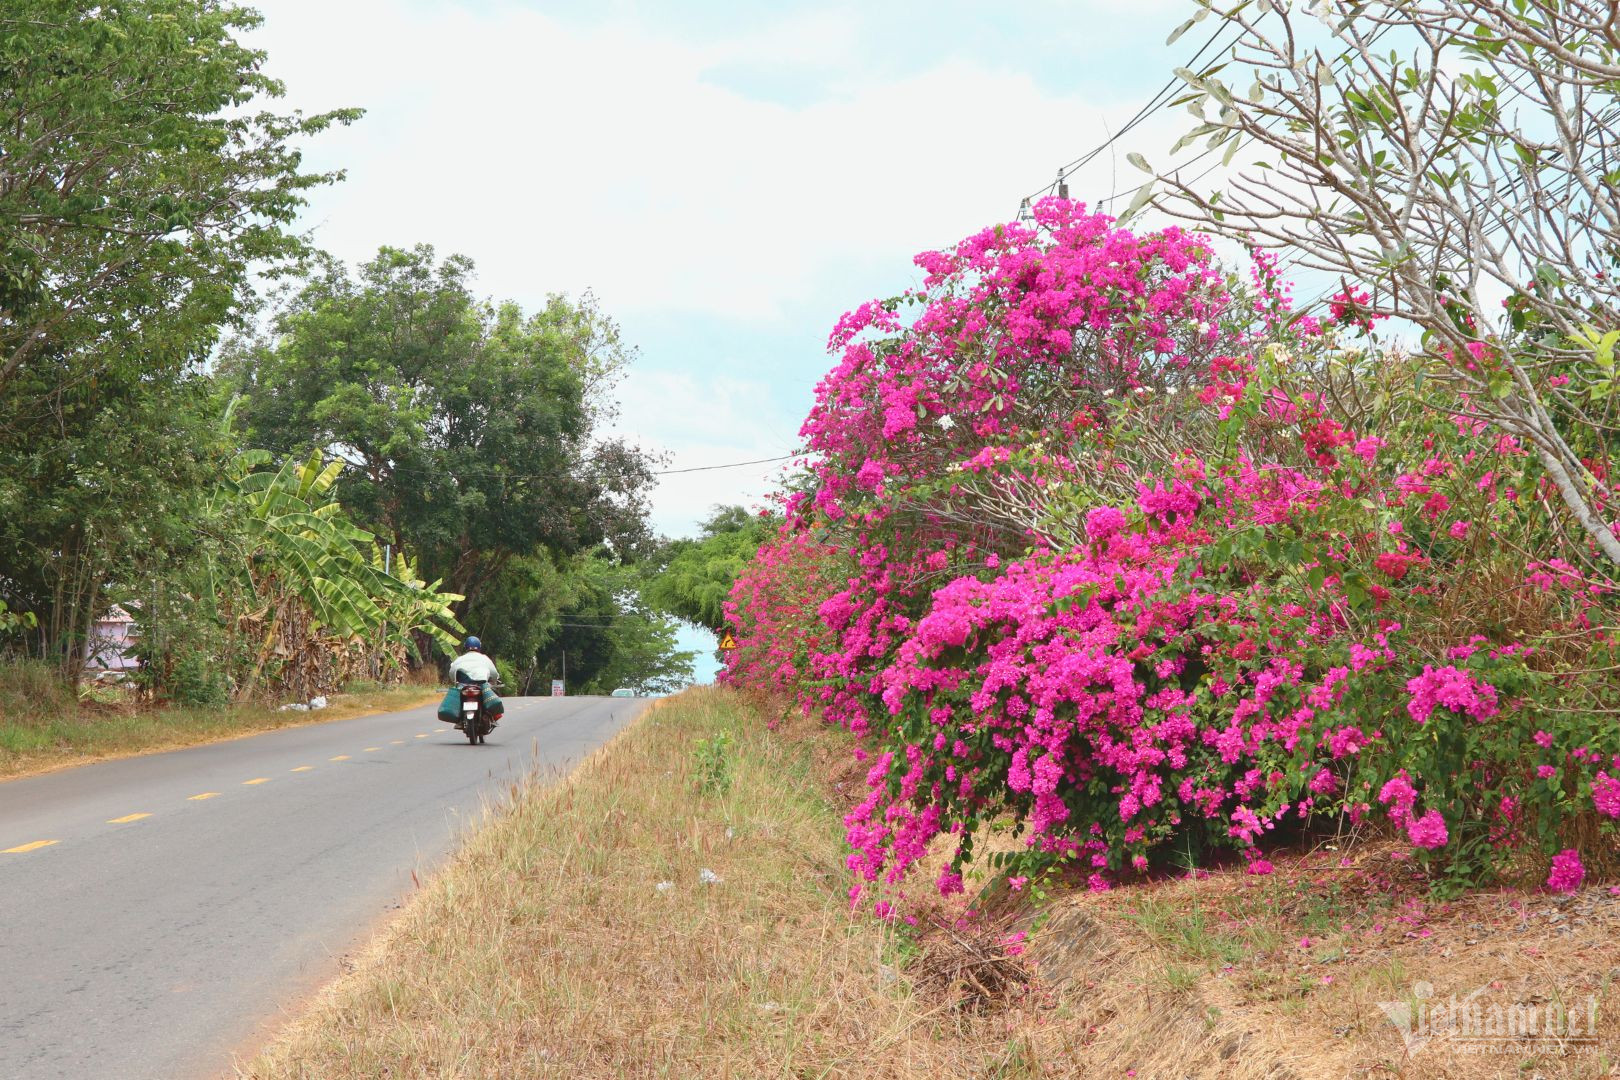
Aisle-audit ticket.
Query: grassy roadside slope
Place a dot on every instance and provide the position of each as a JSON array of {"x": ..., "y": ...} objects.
[
  {"x": 548, "y": 949},
  {"x": 43, "y": 728},
  {"x": 1306, "y": 973},
  {"x": 549, "y": 946}
]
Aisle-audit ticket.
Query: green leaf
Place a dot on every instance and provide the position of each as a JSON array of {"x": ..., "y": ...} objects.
[
  {"x": 1143, "y": 195},
  {"x": 1236, "y": 143}
]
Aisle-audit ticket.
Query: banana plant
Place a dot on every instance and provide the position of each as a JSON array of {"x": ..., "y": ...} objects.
[
  {"x": 411, "y": 605},
  {"x": 315, "y": 577}
]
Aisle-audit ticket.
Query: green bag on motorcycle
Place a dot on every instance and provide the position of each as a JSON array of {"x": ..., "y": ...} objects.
[{"x": 450, "y": 707}]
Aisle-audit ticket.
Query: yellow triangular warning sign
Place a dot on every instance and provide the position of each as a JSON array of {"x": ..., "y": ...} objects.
[{"x": 727, "y": 641}]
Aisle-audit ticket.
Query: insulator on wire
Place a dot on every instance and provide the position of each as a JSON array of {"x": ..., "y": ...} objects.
[{"x": 1024, "y": 213}]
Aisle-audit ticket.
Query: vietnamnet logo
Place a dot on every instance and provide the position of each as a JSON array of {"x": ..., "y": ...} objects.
[{"x": 1467, "y": 1025}]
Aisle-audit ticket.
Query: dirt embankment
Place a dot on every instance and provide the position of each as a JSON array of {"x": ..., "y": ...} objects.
[{"x": 1334, "y": 966}]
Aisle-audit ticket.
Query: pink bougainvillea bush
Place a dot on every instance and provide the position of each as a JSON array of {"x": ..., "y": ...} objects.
[{"x": 1103, "y": 545}]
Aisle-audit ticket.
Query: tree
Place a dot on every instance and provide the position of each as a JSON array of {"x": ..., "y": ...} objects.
[
  {"x": 137, "y": 186},
  {"x": 306, "y": 564},
  {"x": 1460, "y": 158},
  {"x": 99, "y": 488},
  {"x": 693, "y": 578},
  {"x": 621, "y": 639},
  {"x": 280, "y": 590},
  {"x": 470, "y": 425},
  {"x": 583, "y": 618},
  {"x": 517, "y": 617}
]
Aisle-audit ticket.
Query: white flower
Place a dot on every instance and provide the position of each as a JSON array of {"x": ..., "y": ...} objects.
[
  {"x": 709, "y": 877},
  {"x": 665, "y": 886},
  {"x": 946, "y": 422}
]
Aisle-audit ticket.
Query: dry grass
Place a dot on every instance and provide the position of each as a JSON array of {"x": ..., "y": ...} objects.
[
  {"x": 1233, "y": 975},
  {"x": 547, "y": 947},
  {"x": 42, "y": 728}
]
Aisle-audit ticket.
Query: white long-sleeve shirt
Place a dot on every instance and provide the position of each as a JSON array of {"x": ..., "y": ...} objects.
[{"x": 474, "y": 665}]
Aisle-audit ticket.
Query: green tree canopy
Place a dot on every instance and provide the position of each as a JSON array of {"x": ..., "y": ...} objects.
[
  {"x": 695, "y": 576},
  {"x": 98, "y": 489},
  {"x": 584, "y": 616},
  {"x": 136, "y": 183},
  {"x": 471, "y": 426}
]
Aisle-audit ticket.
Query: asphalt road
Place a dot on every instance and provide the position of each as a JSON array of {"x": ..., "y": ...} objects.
[{"x": 161, "y": 913}]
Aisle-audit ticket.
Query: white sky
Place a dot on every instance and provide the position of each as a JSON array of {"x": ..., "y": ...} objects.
[{"x": 727, "y": 179}]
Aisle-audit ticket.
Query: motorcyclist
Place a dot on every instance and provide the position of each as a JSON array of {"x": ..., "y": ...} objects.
[{"x": 472, "y": 666}]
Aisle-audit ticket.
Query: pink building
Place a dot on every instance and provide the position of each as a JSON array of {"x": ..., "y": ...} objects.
[{"x": 112, "y": 643}]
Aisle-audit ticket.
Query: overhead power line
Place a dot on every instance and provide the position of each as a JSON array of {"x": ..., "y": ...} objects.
[
  {"x": 1154, "y": 104},
  {"x": 728, "y": 465},
  {"x": 359, "y": 468},
  {"x": 1159, "y": 101}
]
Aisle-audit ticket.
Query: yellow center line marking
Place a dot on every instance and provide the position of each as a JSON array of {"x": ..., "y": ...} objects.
[
  {"x": 204, "y": 795},
  {"x": 303, "y": 768},
  {"x": 126, "y": 818},
  {"x": 340, "y": 757},
  {"x": 399, "y": 742},
  {"x": 425, "y": 735},
  {"x": 256, "y": 780},
  {"x": 369, "y": 749},
  {"x": 35, "y": 846}
]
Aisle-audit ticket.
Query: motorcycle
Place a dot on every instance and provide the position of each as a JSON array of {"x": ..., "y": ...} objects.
[{"x": 475, "y": 720}]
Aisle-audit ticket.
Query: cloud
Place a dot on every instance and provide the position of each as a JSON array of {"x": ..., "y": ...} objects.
[
  {"x": 712, "y": 421},
  {"x": 728, "y": 180},
  {"x": 562, "y": 156}
]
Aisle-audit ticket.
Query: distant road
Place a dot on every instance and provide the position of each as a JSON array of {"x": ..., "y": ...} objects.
[{"x": 163, "y": 912}]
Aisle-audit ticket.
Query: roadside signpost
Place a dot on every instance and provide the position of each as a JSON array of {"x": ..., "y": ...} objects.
[
  {"x": 727, "y": 642},
  {"x": 557, "y": 688}
]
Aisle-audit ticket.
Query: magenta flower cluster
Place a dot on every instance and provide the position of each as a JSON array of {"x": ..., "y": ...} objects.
[{"x": 1120, "y": 657}]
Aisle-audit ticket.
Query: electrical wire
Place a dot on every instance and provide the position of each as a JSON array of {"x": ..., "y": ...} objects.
[
  {"x": 501, "y": 474},
  {"x": 1154, "y": 104},
  {"x": 728, "y": 465}
]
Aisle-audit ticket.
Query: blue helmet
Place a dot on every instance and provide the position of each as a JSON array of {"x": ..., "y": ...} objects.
[{"x": 472, "y": 644}]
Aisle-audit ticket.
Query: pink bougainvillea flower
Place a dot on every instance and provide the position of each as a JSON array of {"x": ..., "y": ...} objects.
[
  {"x": 1606, "y": 795},
  {"x": 1428, "y": 831},
  {"x": 1054, "y": 560},
  {"x": 1567, "y": 873}
]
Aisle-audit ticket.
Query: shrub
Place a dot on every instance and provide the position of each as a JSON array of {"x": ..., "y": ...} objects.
[
  {"x": 33, "y": 689},
  {"x": 195, "y": 680},
  {"x": 1197, "y": 572}
]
